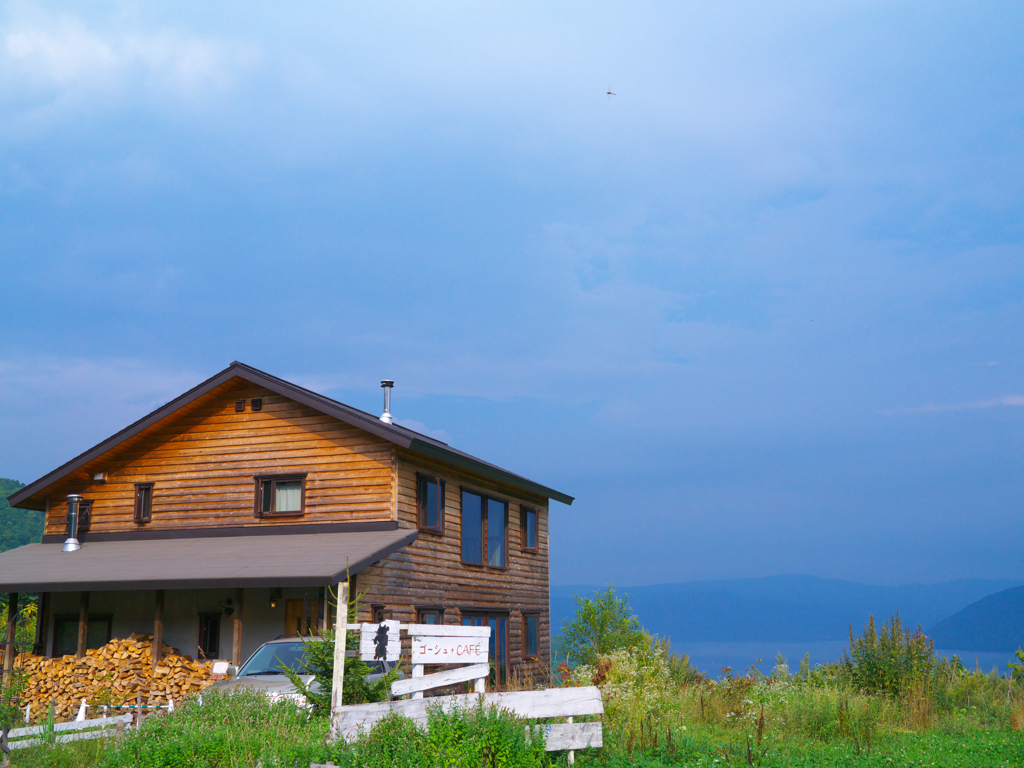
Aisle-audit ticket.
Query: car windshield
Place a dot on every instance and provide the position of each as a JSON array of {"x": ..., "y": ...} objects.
[{"x": 272, "y": 657}]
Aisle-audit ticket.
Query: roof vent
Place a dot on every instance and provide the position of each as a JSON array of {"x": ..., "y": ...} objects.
[
  {"x": 71, "y": 544},
  {"x": 387, "y": 384}
]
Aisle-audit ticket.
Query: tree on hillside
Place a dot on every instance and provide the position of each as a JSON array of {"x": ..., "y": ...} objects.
[
  {"x": 17, "y": 526},
  {"x": 601, "y": 625}
]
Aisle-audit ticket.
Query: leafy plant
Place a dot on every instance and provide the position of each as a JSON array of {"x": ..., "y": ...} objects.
[
  {"x": 356, "y": 687},
  {"x": 601, "y": 625},
  {"x": 888, "y": 661}
]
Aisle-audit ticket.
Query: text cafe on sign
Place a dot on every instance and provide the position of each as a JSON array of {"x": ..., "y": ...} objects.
[{"x": 449, "y": 650}]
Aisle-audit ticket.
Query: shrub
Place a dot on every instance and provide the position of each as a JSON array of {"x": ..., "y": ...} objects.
[
  {"x": 889, "y": 661},
  {"x": 601, "y": 626}
]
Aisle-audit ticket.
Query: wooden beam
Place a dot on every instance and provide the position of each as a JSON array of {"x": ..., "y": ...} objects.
[
  {"x": 236, "y": 640},
  {"x": 338, "y": 679},
  {"x": 83, "y": 624},
  {"x": 12, "y": 623},
  {"x": 158, "y": 629},
  {"x": 419, "y": 683}
]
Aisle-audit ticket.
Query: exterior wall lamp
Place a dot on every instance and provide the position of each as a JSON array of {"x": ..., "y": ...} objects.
[
  {"x": 227, "y": 606},
  {"x": 275, "y": 598}
]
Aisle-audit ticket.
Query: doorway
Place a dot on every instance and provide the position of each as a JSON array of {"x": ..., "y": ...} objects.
[{"x": 302, "y": 617}]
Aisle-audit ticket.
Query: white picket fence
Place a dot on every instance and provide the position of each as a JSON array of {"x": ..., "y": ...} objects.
[{"x": 96, "y": 728}]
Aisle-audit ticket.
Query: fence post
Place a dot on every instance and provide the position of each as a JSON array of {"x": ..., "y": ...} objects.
[{"x": 340, "y": 638}]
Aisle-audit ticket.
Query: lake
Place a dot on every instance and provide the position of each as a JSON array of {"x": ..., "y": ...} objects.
[{"x": 710, "y": 657}]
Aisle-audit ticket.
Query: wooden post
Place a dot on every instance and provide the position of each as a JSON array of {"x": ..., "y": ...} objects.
[
  {"x": 12, "y": 623},
  {"x": 572, "y": 752},
  {"x": 83, "y": 624},
  {"x": 138, "y": 709},
  {"x": 340, "y": 638},
  {"x": 158, "y": 629},
  {"x": 39, "y": 648},
  {"x": 417, "y": 671},
  {"x": 325, "y": 614},
  {"x": 236, "y": 642}
]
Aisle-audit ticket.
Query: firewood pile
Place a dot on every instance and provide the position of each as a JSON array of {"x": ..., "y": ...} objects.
[{"x": 111, "y": 675}]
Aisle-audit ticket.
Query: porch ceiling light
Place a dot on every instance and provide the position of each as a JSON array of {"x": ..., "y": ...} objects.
[{"x": 227, "y": 606}]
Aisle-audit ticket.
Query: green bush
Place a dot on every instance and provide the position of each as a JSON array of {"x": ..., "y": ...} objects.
[
  {"x": 601, "y": 625},
  {"x": 888, "y": 661}
]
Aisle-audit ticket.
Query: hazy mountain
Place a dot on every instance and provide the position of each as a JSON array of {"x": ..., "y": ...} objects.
[
  {"x": 994, "y": 623},
  {"x": 783, "y": 608},
  {"x": 17, "y": 526}
]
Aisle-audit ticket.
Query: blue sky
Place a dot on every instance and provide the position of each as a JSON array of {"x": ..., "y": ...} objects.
[{"x": 761, "y": 311}]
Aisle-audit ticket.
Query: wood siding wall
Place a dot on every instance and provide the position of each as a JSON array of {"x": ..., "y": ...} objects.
[
  {"x": 429, "y": 573},
  {"x": 202, "y": 466}
]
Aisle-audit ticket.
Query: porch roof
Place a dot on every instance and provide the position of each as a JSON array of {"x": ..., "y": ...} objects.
[{"x": 296, "y": 559}]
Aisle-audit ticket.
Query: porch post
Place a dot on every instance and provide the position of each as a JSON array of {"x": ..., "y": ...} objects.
[
  {"x": 236, "y": 645},
  {"x": 12, "y": 620},
  {"x": 158, "y": 629},
  {"x": 325, "y": 614},
  {"x": 83, "y": 624},
  {"x": 39, "y": 648}
]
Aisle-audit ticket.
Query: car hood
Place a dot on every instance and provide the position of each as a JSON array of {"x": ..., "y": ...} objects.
[{"x": 275, "y": 685}]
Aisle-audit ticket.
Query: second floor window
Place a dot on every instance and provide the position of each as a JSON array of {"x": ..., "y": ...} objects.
[
  {"x": 484, "y": 530},
  {"x": 280, "y": 495},
  {"x": 143, "y": 503},
  {"x": 430, "y": 503}
]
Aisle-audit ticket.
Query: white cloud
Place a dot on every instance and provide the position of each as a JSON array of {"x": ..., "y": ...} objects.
[{"x": 1010, "y": 400}]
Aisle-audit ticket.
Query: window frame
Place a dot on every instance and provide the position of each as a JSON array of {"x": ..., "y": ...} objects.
[
  {"x": 484, "y": 529},
  {"x": 524, "y": 510},
  {"x": 72, "y": 618},
  {"x": 422, "y": 611},
  {"x": 377, "y": 613},
  {"x": 143, "y": 516},
  {"x": 84, "y": 516},
  {"x": 527, "y": 615},
  {"x": 421, "y": 480},
  {"x": 274, "y": 479},
  {"x": 207, "y": 616}
]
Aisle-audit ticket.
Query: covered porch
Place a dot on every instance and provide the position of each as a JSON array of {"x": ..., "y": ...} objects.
[{"x": 208, "y": 596}]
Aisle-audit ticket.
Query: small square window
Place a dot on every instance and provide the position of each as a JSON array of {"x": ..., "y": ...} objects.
[
  {"x": 143, "y": 503},
  {"x": 430, "y": 503},
  {"x": 429, "y": 616},
  {"x": 376, "y": 614},
  {"x": 529, "y": 524},
  {"x": 531, "y": 633},
  {"x": 282, "y": 495}
]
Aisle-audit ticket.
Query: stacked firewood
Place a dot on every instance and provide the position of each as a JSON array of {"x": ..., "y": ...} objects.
[{"x": 112, "y": 675}]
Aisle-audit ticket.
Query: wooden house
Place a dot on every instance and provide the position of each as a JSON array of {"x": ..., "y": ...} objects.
[{"x": 224, "y": 518}]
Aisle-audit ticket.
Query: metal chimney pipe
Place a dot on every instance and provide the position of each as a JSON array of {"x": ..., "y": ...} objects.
[
  {"x": 71, "y": 544},
  {"x": 387, "y": 384}
]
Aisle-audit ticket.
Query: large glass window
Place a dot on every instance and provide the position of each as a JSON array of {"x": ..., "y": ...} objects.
[
  {"x": 497, "y": 525},
  {"x": 65, "y": 633},
  {"x": 430, "y": 503},
  {"x": 484, "y": 530},
  {"x": 472, "y": 528}
]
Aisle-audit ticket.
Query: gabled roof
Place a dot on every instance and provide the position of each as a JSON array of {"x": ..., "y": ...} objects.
[{"x": 400, "y": 436}]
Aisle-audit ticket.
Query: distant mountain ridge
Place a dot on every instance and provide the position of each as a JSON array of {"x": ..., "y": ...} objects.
[
  {"x": 993, "y": 623},
  {"x": 791, "y": 608}
]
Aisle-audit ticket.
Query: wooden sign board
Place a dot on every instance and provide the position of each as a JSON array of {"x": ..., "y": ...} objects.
[
  {"x": 449, "y": 650},
  {"x": 380, "y": 642}
]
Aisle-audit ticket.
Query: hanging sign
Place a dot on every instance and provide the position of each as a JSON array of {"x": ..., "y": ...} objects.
[{"x": 380, "y": 642}]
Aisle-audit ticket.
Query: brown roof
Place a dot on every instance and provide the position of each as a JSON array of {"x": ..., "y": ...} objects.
[
  {"x": 298, "y": 559},
  {"x": 400, "y": 436}
]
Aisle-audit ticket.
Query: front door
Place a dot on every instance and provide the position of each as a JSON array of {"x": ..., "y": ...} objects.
[{"x": 302, "y": 617}]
